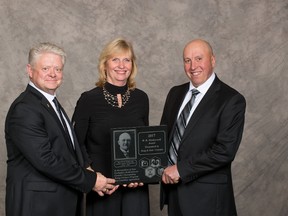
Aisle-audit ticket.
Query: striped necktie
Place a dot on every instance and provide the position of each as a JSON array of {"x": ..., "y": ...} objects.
[{"x": 180, "y": 128}]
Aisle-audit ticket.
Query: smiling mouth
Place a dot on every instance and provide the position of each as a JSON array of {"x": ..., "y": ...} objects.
[
  {"x": 195, "y": 73},
  {"x": 51, "y": 80},
  {"x": 121, "y": 71}
]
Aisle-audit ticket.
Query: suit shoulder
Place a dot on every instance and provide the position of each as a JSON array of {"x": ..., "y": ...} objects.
[
  {"x": 25, "y": 101},
  {"x": 179, "y": 89},
  {"x": 228, "y": 90},
  {"x": 182, "y": 86},
  {"x": 25, "y": 98}
]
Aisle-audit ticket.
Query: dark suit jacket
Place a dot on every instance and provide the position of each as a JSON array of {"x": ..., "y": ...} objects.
[
  {"x": 44, "y": 174},
  {"x": 119, "y": 154},
  {"x": 207, "y": 149}
]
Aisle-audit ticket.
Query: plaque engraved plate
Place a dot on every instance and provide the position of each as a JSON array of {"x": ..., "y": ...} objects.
[{"x": 139, "y": 154}]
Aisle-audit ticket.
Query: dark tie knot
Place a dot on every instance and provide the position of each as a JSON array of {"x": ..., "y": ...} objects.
[
  {"x": 195, "y": 92},
  {"x": 55, "y": 101}
]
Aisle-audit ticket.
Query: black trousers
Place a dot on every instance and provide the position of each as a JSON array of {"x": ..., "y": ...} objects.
[{"x": 173, "y": 202}]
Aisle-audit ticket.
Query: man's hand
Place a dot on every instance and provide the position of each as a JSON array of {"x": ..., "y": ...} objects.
[
  {"x": 171, "y": 175},
  {"x": 104, "y": 185}
]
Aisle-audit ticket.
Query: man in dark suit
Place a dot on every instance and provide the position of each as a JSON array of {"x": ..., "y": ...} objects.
[
  {"x": 198, "y": 180},
  {"x": 45, "y": 167}
]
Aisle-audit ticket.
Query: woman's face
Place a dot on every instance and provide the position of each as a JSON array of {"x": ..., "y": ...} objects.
[{"x": 118, "y": 69}]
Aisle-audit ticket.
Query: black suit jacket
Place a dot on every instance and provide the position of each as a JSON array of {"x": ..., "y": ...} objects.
[
  {"x": 119, "y": 154},
  {"x": 44, "y": 174},
  {"x": 207, "y": 149}
]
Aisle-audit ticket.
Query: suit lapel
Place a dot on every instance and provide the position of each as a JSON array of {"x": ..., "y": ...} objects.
[
  {"x": 178, "y": 102},
  {"x": 45, "y": 103},
  {"x": 203, "y": 107},
  {"x": 77, "y": 150}
]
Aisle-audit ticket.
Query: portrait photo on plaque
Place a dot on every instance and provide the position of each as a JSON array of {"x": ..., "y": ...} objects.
[
  {"x": 124, "y": 144},
  {"x": 139, "y": 154}
]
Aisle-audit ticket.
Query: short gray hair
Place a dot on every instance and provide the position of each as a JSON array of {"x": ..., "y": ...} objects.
[{"x": 45, "y": 47}]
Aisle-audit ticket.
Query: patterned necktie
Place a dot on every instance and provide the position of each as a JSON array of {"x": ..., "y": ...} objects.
[
  {"x": 58, "y": 107},
  {"x": 180, "y": 128}
]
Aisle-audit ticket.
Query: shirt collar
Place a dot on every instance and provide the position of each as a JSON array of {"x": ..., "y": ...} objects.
[
  {"x": 49, "y": 97},
  {"x": 205, "y": 86}
]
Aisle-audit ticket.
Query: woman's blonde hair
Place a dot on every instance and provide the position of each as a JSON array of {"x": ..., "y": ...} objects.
[{"x": 116, "y": 46}]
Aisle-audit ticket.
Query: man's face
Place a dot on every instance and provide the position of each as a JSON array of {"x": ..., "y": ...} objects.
[
  {"x": 198, "y": 62},
  {"x": 46, "y": 73},
  {"x": 124, "y": 141}
]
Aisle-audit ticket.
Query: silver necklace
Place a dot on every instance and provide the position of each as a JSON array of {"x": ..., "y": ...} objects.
[{"x": 115, "y": 101}]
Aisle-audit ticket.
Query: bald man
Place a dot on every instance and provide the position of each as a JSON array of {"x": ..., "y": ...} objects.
[{"x": 203, "y": 138}]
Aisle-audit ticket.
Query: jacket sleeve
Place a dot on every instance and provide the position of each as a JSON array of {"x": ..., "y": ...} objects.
[
  {"x": 35, "y": 134},
  {"x": 222, "y": 146}
]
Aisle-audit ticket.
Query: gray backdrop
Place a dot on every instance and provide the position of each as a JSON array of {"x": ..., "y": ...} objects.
[{"x": 250, "y": 42}]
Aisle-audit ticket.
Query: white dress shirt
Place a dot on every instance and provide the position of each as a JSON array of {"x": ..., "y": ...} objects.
[
  {"x": 50, "y": 98},
  {"x": 202, "y": 89}
]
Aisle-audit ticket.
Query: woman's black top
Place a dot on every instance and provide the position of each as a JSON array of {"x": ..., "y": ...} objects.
[{"x": 93, "y": 119}]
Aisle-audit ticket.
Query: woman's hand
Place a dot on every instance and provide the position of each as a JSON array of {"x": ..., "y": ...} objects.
[{"x": 133, "y": 184}]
